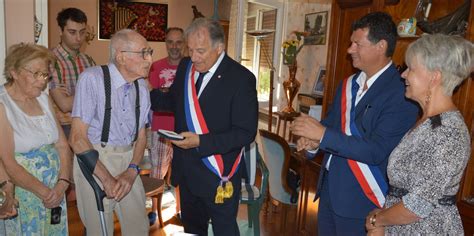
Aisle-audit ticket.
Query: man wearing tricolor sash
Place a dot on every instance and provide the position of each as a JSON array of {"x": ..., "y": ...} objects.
[
  {"x": 214, "y": 100},
  {"x": 366, "y": 121}
]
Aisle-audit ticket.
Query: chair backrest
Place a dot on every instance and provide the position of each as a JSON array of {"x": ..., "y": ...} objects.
[
  {"x": 276, "y": 154},
  {"x": 250, "y": 157}
]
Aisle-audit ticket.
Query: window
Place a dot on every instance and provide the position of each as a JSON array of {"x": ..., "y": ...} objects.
[{"x": 259, "y": 17}]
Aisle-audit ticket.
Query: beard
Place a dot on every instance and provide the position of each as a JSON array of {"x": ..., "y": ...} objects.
[{"x": 174, "y": 53}]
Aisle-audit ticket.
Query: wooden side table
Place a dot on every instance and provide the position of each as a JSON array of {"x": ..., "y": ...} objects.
[{"x": 286, "y": 117}]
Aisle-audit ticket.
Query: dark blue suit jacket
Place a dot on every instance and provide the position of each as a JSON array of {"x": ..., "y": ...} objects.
[
  {"x": 383, "y": 116},
  {"x": 230, "y": 107}
]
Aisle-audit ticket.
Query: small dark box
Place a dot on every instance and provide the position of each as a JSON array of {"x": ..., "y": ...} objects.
[{"x": 56, "y": 215}]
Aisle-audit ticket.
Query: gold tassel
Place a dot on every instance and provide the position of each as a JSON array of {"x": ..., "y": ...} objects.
[
  {"x": 229, "y": 190},
  {"x": 219, "y": 195}
]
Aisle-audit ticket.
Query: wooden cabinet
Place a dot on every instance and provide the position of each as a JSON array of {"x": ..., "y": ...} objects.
[
  {"x": 307, "y": 212},
  {"x": 344, "y": 12}
]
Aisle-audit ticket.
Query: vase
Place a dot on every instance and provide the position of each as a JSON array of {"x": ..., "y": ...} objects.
[{"x": 291, "y": 87}]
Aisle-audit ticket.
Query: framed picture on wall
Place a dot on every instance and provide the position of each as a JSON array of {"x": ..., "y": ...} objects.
[
  {"x": 316, "y": 24},
  {"x": 318, "y": 87},
  {"x": 149, "y": 19}
]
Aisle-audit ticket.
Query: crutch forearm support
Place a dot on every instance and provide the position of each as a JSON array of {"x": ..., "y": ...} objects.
[{"x": 87, "y": 161}]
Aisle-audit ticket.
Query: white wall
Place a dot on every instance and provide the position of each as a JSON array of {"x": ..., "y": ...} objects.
[{"x": 19, "y": 18}]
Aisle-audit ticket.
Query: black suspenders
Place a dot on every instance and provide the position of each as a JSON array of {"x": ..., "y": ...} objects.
[{"x": 108, "y": 107}]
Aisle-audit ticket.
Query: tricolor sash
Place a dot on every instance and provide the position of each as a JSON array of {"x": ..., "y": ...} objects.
[
  {"x": 196, "y": 123},
  {"x": 369, "y": 177}
]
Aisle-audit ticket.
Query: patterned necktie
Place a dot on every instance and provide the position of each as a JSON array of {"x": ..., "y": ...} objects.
[{"x": 199, "y": 81}]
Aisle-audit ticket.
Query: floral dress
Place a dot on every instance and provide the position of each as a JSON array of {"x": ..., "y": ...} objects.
[
  {"x": 33, "y": 218},
  {"x": 34, "y": 138}
]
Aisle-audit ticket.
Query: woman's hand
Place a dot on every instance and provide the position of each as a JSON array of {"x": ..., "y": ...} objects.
[
  {"x": 59, "y": 190},
  {"x": 371, "y": 220},
  {"x": 52, "y": 198},
  {"x": 8, "y": 208},
  {"x": 379, "y": 231}
]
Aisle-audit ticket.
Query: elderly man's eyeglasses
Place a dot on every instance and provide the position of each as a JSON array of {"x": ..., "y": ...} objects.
[
  {"x": 145, "y": 52},
  {"x": 38, "y": 74}
]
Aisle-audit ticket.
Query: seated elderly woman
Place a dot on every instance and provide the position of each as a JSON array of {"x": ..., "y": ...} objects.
[
  {"x": 425, "y": 169},
  {"x": 34, "y": 150}
]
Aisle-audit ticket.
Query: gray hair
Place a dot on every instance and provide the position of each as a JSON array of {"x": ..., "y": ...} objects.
[
  {"x": 119, "y": 39},
  {"x": 18, "y": 55},
  {"x": 451, "y": 55},
  {"x": 214, "y": 28}
]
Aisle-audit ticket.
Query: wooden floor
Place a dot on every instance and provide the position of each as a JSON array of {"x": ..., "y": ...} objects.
[{"x": 269, "y": 221}]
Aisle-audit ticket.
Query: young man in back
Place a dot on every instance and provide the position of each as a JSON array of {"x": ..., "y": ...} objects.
[{"x": 70, "y": 63}]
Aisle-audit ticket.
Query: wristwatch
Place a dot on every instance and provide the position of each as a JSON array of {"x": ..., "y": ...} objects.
[{"x": 135, "y": 167}]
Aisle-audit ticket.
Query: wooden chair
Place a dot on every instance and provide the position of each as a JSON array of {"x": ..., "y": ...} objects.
[
  {"x": 252, "y": 195},
  {"x": 276, "y": 153},
  {"x": 154, "y": 188}
]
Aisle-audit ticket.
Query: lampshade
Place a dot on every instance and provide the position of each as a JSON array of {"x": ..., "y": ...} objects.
[{"x": 260, "y": 33}]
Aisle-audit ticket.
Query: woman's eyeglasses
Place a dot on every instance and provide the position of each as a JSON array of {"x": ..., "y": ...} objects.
[
  {"x": 38, "y": 74},
  {"x": 145, "y": 52}
]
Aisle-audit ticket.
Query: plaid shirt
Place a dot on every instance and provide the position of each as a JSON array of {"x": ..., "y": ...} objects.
[{"x": 64, "y": 73}]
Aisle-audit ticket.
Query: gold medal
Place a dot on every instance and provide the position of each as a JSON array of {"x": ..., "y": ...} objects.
[
  {"x": 229, "y": 190},
  {"x": 219, "y": 195}
]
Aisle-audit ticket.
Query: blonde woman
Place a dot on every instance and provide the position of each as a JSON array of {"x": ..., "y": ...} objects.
[
  {"x": 425, "y": 169},
  {"x": 34, "y": 150}
]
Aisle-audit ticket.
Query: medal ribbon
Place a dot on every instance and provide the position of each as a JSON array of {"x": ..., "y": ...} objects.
[
  {"x": 196, "y": 123},
  {"x": 369, "y": 177}
]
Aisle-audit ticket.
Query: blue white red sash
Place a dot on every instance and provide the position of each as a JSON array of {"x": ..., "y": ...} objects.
[
  {"x": 196, "y": 123},
  {"x": 369, "y": 177}
]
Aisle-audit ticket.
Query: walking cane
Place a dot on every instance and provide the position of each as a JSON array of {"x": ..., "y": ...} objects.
[{"x": 87, "y": 162}]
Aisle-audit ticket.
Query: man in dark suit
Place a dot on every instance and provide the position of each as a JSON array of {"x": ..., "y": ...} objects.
[
  {"x": 215, "y": 106},
  {"x": 368, "y": 118}
]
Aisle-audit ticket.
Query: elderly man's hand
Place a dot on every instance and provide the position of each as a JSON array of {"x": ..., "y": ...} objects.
[
  {"x": 308, "y": 127},
  {"x": 124, "y": 183},
  {"x": 8, "y": 208},
  {"x": 191, "y": 140},
  {"x": 109, "y": 186}
]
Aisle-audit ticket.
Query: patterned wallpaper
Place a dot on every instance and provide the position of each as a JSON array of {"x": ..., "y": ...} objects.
[{"x": 311, "y": 57}]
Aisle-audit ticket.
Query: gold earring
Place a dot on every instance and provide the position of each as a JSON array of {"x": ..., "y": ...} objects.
[{"x": 428, "y": 97}]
